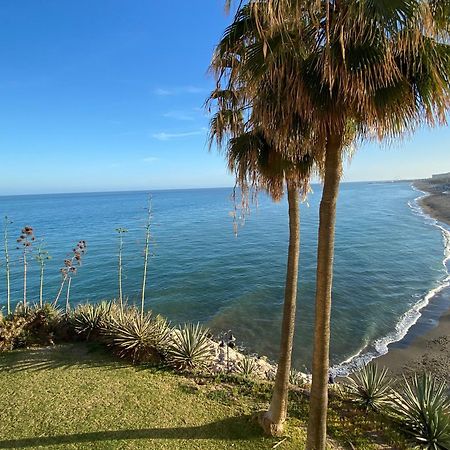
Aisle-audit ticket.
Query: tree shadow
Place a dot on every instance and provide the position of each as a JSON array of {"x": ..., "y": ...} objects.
[
  {"x": 82, "y": 355},
  {"x": 234, "y": 428}
]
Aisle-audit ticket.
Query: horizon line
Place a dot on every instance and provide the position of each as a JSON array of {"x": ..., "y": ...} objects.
[{"x": 114, "y": 191}]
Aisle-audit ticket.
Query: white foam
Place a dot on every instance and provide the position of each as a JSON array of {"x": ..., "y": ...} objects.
[{"x": 380, "y": 347}]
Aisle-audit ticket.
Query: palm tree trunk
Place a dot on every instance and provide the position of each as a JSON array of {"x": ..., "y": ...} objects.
[
  {"x": 317, "y": 426},
  {"x": 273, "y": 420}
]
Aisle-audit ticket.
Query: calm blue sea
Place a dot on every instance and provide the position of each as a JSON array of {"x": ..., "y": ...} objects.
[{"x": 389, "y": 261}]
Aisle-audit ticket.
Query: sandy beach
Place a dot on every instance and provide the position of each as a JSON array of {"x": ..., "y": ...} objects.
[
  {"x": 429, "y": 352},
  {"x": 426, "y": 347},
  {"x": 437, "y": 204}
]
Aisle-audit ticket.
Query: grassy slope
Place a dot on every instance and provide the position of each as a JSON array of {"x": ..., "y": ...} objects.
[{"x": 76, "y": 397}]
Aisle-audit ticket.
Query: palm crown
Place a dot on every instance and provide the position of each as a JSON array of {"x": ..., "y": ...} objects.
[{"x": 377, "y": 68}]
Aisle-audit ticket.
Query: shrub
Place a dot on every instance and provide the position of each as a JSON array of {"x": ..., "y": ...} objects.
[
  {"x": 423, "y": 406},
  {"x": 29, "y": 325},
  {"x": 42, "y": 324},
  {"x": 190, "y": 348},
  {"x": 12, "y": 333},
  {"x": 136, "y": 337},
  {"x": 247, "y": 366},
  {"x": 369, "y": 387}
]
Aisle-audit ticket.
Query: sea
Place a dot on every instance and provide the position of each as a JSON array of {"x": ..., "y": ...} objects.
[{"x": 391, "y": 262}]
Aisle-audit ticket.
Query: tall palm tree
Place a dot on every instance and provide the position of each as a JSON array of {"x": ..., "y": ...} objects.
[
  {"x": 350, "y": 69},
  {"x": 257, "y": 165},
  {"x": 251, "y": 157}
]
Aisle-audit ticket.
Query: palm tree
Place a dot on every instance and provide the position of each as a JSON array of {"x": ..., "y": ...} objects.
[
  {"x": 257, "y": 165},
  {"x": 350, "y": 70}
]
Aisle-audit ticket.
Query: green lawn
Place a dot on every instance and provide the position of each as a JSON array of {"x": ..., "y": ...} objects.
[
  {"x": 73, "y": 397},
  {"x": 77, "y": 397}
]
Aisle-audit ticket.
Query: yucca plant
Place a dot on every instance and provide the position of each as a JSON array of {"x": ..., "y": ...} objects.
[
  {"x": 296, "y": 378},
  {"x": 190, "y": 348},
  {"x": 423, "y": 407},
  {"x": 89, "y": 318},
  {"x": 22, "y": 310},
  {"x": 247, "y": 366},
  {"x": 139, "y": 338},
  {"x": 48, "y": 310},
  {"x": 369, "y": 387}
]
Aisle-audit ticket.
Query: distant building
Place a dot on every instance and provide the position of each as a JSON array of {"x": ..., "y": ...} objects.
[{"x": 441, "y": 177}]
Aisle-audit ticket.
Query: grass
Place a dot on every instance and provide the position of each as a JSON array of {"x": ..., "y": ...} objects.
[{"x": 76, "y": 396}]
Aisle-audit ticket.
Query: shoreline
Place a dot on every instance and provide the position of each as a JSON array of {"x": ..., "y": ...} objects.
[
  {"x": 437, "y": 203},
  {"x": 426, "y": 345}
]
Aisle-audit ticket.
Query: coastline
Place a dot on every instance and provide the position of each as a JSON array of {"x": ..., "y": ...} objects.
[
  {"x": 426, "y": 346},
  {"x": 429, "y": 352},
  {"x": 437, "y": 203}
]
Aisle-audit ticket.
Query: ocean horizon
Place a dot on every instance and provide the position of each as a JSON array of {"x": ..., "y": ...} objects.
[
  {"x": 391, "y": 261},
  {"x": 150, "y": 190}
]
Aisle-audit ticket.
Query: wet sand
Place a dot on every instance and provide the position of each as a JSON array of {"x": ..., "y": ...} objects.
[{"x": 426, "y": 347}]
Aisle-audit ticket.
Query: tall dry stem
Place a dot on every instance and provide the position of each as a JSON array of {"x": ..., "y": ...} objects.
[{"x": 146, "y": 252}]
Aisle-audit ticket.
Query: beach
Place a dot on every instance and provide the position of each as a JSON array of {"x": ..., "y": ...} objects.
[
  {"x": 437, "y": 203},
  {"x": 429, "y": 352},
  {"x": 426, "y": 347}
]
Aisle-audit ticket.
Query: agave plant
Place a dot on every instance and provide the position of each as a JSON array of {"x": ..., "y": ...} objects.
[
  {"x": 22, "y": 310},
  {"x": 296, "y": 378},
  {"x": 89, "y": 318},
  {"x": 369, "y": 387},
  {"x": 247, "y": 366},
  {"x": 423, "y": 406},
  {"x": 139, "y": 338},
  {"x": 190, "y": 348}
]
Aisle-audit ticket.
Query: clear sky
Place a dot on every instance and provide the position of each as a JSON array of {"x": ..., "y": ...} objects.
[{"x": 108, "y": 95}]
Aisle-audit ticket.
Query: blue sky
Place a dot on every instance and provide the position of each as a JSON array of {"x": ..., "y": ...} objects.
[{"x": 108, "y": 95}]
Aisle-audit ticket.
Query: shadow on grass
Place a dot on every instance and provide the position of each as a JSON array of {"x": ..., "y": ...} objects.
[
  {"x": 82, "y": 355},
  {"x": 233, "y": 428}
]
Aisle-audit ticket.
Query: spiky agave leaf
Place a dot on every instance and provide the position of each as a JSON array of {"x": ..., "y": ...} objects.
[
  {"x": 23, "y": 310},
  {"x": 190, "y": 348},
  {"x": 88, "y": 318},
  {"x": 423, "y": 406},
  {"x": 49, "y": 310},
  {"x": 140, "y": 338},
  {"x": 369, "y": 387},
  {"x": 247, "y": 366}
]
